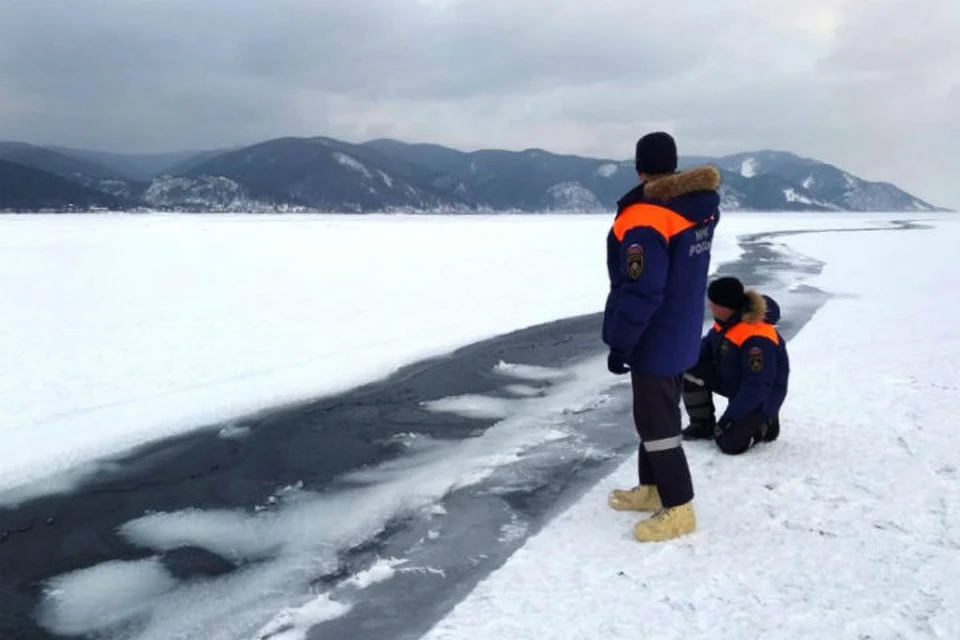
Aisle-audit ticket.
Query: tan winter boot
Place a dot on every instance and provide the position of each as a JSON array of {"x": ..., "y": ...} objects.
[
  {"x": 640, "y": 498},
  {"x": 666, "y": 524}
]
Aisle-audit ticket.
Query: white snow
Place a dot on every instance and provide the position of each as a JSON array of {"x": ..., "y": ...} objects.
[
  {"x": 211, "y": 193},
  {"x": 748, "y": 168},
  {"x": 791, "y": 195},
  {"x": 729, "y": 201},
  {"x": 522, "y": 390},
  {"x": 124, "y": 329},
  {"x": 352, "y": 163},
  {"x": 233, "y": 432},
  {"x": 534, "y": 373},
  {"x": 103, "y": 595},
  {"x": 298, "y": 536},
  {"x": 808, "y": 182},
  {"x": 294, "y": 623},
  {"x": 473, "y": 406},
  {"x": 233, "y": 535},
  {"x": 121, "y": 330},
  {"x": 846, "y": 527},
  {"x": 607, "y": 170},
  {"x": 572, "y": 196},
  {"x": 381, "y": 570}
]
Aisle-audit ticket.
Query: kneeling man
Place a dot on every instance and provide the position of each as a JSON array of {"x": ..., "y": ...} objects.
[{"x": 743, "y": 358}]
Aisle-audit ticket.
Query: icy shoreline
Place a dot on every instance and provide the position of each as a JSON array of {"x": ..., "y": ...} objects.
[{"x": 843, "y": 528}]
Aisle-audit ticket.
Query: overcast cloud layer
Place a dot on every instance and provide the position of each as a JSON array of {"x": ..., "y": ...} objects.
[{"x": 870, "y": 85}]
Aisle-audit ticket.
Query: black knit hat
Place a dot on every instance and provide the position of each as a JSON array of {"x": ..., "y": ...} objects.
[
  {"x": 727, "y": 292},
  {"x": 656, "y": 154}
]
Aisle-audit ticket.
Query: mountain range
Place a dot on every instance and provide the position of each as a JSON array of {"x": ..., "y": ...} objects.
[{"x": 324, "y": 174}]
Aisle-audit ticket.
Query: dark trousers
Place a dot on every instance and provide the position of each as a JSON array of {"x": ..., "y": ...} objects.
[
  {"x": 656, "y": 415},
  {"x": 699, "y": 385}
]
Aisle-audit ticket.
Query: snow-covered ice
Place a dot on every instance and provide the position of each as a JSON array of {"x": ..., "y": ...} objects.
[
  {"x": 121, "y": 330},
  {"x": 847, "y": 527},
  {"x": 530, "y": 372},
  {"x": 103, "y": 595},
  {"x": 286, "y": 545},
  {"x": 124, "y": 329},
  {"x": 294, "y": 623}
]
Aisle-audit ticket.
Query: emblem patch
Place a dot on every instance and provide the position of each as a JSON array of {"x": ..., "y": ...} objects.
[
  {"x": 755, "y": 359},
  {"x": 634, "y": 261}
]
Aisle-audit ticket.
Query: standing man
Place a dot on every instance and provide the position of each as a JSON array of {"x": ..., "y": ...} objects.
[
  {"x": 745, "y": 359},
  {"x": 658, "y": 257}
]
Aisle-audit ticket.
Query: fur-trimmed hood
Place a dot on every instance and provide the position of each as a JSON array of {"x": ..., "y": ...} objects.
[
  {"x": 674, "y": 185},
  {"x": 756, "y": 307}
]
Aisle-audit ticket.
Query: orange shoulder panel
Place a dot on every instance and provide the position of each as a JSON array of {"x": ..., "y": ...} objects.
[
  {"x": 744, "y": 331},
  {"x": 666, "y": 222}
]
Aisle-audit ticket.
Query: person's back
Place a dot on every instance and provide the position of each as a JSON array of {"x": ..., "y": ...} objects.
[
  {"x": 752, "y": 338},
  {"x": 672, "y": 218},
  {"x": 658, "y": 258}
]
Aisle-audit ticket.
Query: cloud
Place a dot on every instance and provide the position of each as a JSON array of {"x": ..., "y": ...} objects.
[{"x": 866, "y": 84}]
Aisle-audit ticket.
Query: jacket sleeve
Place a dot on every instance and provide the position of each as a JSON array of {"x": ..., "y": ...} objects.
[
  {"x": 758, "y": 367},
  {"x": 643, "y": 264},
  {"x": 706, "y": 351}
]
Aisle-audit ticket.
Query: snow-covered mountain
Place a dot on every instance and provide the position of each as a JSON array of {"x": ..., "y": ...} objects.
[
  {"x": 204, "y": 193},
  {"x": 529, "y": 180},
  {"x": 23, "y": 188},
  {"x": 78, "y": 171},
  {"x": 762, "y": 181},
  {"x": 324, "y": 174},
  {"x": 814, "y": 184},
  {"x": 311, "y": 174}
]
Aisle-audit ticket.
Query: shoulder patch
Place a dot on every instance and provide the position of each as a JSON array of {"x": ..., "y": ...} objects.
[
  {"x": 634, "y": 260},
  {"x": 755, "y": 359}
]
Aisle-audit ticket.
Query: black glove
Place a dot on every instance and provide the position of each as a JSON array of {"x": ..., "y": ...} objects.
[
  {"x": 722, "y": 426},
  {"x": 616, "y": 364},
  {"x": 772, "y": 432}
]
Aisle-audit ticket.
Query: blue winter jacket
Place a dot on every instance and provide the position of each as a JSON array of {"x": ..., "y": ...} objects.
[
  {"x": 658, "y": 258},
  {"x": 750, "y": 358}
]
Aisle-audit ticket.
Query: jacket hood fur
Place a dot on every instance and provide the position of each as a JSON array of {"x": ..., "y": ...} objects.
[
  {"x": 756, "y": 307},
  {"x": 674, "y": 185}
]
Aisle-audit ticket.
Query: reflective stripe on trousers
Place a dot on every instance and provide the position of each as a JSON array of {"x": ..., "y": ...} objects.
[{"x": 665, "y": 444}]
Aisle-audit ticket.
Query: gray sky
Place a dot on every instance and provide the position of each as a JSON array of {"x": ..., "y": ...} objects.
[{"x": 870, "y": 85}]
